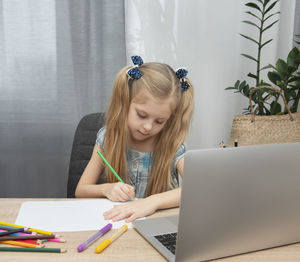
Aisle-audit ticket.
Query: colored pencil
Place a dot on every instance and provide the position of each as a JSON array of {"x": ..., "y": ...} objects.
[
  {"x": 110, "y": 167},
  {"x": 25, "y": 241},
  {"x": 19, "y": 243},
  {"x": 58, "y": 240},
  {"x": 31, "y": 241},
  {"x": 11, "y": 232},
  {"x": 17, "y": 234},
  {"x": 22, "y": 237},
  {"x": 24, "y": 249},
  {"x": 30, "y": 229},
  {"x": 13, "y": 228}
]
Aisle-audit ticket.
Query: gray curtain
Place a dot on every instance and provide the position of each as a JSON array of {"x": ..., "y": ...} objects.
[{"x": 58, "y": 60}]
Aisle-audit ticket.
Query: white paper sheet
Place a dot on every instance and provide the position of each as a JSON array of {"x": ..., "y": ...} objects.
[{"x": 66, "y": 216}]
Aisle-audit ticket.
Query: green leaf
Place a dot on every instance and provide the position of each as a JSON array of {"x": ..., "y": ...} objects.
[
  {"x": 294, "y": 87},
  {"x": 254, "y": 15},
  {"x": 250, "y": 57},
  {"x": 292, "y": 57},
  {"x": 297, "y": 42},
  {"x": 249, "y": 38},
  {"x": 252, "y": 75},
  {"x": 282, "y": 67},
  {"x": 292, "y": 69},
  {"x": 251, "y": 23},
  {"x": 237, "y": 83},
  {"x": 272, "y": 66},
  {"x": 271, "y": 6},
  {"x": 266, "y": 2},
  {"x": 267, "y": 111},
  {"x": 265, "y": 90},
  {"x": 265, "y": 43},
  {"x": 263, "y": 83},
  {"x": 280, "y": 84},
  {"x": 254, "y": 97},
  {"x": 269, "y": 26},
  {"x": 246, "y": 90},
  {"x": 293, "y": 79},
  {"x": 253, "y": 5},
  {"x": 270, "y": 16},
  {"x": 266, "y": 67},
  {"x": 292, "y": 94},
  {"x": 288, "y": 96},
  {"x": 274, "y": 77},
  {"x": 275, "y": 108},
  {"x": 241, "y": 86}
]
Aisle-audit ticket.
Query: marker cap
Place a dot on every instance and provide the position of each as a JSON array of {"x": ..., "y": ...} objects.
[
  {"x": 103, "y": 245},
  {"x": 81, "y": 247}
]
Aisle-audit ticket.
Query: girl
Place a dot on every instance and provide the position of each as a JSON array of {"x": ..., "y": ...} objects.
[{"x": 146, "y": 124}]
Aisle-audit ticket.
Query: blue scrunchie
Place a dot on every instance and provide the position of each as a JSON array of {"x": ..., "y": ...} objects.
[
  {"x": 181, "y": 73},
  {"x": 134, "y": 72}
]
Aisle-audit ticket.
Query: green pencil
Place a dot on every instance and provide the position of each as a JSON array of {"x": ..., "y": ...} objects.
[
  {"x": 110, "y": 167},
  {"x": 28, "y": 249}
]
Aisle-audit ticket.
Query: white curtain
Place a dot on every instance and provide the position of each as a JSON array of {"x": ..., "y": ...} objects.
[{"x": 204, "y": 36}]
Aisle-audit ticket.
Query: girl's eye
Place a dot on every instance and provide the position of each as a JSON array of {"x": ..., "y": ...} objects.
[
  {"x": 141, "y": 116},
  {"x": 160, "y": 123}
]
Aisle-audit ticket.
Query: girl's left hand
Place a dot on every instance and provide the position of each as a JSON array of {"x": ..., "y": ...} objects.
[{"x": 131, "y": 210}]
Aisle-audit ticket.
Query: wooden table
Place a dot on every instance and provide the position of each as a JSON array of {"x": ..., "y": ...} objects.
[{"x": 129, "y": 247}]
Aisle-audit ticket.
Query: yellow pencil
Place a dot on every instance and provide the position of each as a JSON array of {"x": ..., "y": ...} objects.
[
  {"x": 30, "y": 229},
  {"x": 18, "y": 243}
]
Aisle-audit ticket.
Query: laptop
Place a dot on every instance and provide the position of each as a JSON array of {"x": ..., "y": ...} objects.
[{"x": 234, "y": 200}]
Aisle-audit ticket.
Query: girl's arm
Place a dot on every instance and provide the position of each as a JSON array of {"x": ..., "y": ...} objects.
[
  {"x": 148, "y": 205},
  {"x": 88, "y": 187}
]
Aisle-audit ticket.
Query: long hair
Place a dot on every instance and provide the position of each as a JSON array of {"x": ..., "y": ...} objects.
[{"x": 161, "y": 82}]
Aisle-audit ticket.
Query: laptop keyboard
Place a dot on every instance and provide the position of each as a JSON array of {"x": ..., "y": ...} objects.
[{"x": 168, "y": 240}]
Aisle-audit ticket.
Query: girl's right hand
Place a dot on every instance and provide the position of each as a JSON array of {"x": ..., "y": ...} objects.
[{"x": 119, "y": 192}]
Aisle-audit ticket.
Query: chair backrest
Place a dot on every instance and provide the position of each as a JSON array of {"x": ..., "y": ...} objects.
[{"x": 83, "y": 144}]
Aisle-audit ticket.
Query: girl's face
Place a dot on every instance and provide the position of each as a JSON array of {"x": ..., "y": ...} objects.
[{"x": 147, "y": 116}]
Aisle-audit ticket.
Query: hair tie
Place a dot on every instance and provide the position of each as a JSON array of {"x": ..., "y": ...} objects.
[
  {"x": 134, "y": 72},
  {"x": 181, "y": 74}
]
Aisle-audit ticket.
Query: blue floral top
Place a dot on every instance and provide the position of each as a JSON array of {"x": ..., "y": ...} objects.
[{"x": 140, "y": 163}]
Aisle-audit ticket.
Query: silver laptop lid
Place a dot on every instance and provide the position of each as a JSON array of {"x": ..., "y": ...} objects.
[{"x": 236, "y": 200}]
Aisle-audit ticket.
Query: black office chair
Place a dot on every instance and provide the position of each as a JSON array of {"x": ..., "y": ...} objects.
[{"x": 83, "y": 144}]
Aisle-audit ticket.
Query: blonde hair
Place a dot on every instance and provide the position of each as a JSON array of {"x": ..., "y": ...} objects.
[{"x": 161, "y": 82}]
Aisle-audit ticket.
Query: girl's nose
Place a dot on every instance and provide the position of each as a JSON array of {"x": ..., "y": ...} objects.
[{"x": 148, "y": 125}]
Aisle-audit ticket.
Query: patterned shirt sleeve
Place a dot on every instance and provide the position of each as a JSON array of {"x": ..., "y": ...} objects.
[
  {"x": 100, "y": 138},
  {"x": 180, "y": 153}
]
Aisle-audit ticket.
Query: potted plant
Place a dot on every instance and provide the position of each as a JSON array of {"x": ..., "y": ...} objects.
[
  {"x": 283, "y": 81},
  {"x": 284, "y": 74}
]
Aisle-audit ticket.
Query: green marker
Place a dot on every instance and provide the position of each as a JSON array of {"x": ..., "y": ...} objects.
[{"x": 111, "y": 169}]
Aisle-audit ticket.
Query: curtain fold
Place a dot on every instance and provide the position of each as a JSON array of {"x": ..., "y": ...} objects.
[{"x": 58, "y": 62}]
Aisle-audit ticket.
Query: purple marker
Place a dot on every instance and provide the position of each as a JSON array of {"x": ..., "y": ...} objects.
[{"x": 100, "y": 233}]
